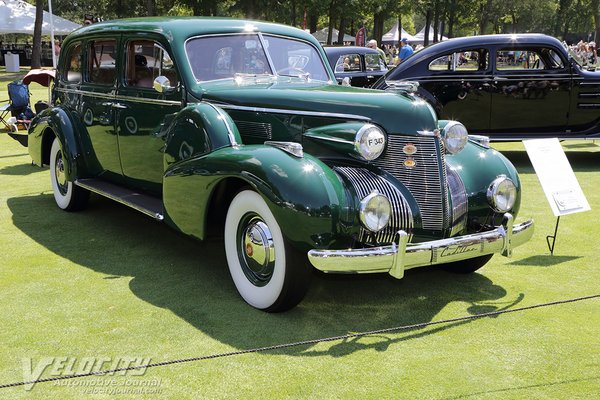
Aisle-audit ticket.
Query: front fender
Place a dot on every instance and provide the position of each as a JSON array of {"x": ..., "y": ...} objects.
[
  {"x": 478, "y": 166},
  {"x": 306, "y": 196},
  {"x": 60, "y": 123}
]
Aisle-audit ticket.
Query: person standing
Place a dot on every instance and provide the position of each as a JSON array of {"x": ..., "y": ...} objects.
[
  {"x": 373, "y": 45},
  {"x": 405, "y": 50}
]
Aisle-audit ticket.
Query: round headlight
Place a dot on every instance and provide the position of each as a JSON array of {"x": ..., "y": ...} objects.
[
  {"x": 502, "y": 194},
  {"x": 375, "y": 211},
  {"x": 369, "y": 142},
  {"x": 455, "y": 137}
]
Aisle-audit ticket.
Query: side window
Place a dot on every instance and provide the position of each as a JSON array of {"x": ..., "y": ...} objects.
[
  {"x": 72, "y": 72},
  {"x": 348, "y": 63},
  {"x": 468, "y": 60},
  {"x": 515, "y": 59},
  {"x": 101, "y": 62},
  {"x": 147, "y": 60},
  {"x": 374, "y": 62}
]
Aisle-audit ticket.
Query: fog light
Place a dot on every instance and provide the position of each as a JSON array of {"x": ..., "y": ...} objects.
[
  {"x": 375, "y": 211},
  {"x": 502, "y": 194}
]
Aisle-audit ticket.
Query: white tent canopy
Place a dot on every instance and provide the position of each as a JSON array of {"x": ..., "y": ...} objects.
[
  {"x": 17, "y": 16},
  {"x": 395, "y": 35},
  {"x": 420, "y": 36},
  {"x": 321, "y": 36}
]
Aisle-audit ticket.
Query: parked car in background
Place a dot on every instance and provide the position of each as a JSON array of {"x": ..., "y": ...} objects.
[
  {"x": 361, "y": 65},
  {"x": 505, "y": 86},
  {"x": 238, "y": 128}
]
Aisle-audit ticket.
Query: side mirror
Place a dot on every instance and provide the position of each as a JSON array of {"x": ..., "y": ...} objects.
[{"x": 162, "y": 84}]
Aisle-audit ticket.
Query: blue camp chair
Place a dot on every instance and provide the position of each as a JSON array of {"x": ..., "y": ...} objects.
[{"x": 17, "y": 106}]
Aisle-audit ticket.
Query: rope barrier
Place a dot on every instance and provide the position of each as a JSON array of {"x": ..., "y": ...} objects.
[{"x": 300, "y": 343}]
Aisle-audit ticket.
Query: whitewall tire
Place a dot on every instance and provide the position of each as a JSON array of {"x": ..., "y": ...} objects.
[
  {"x": 67, "y": 196},
  {"x": 267, "y": 272}
]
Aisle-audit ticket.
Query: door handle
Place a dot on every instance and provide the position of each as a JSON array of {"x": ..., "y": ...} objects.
[
  {"x": 500, "y": 78},
  {"x": 119, "y": 106}
]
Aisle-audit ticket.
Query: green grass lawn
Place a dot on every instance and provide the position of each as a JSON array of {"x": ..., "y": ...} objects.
[{"x": 109, "y": 282}]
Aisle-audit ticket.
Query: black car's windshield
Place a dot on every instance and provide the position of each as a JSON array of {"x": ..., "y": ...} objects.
[{"x": 220, "y": 57}]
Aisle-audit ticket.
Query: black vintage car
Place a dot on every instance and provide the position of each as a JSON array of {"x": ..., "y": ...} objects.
[
  {"x": 361, "y": 65},
  {"x": 505, "y": 86}
]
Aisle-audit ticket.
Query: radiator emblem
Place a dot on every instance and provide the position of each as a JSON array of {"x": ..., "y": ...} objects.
[
  {"x": 410, "y": 162},
  {"x": 409, "y": 149}
]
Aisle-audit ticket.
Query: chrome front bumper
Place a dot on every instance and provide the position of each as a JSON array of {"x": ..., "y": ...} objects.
[{"x": 397, "y": 258}]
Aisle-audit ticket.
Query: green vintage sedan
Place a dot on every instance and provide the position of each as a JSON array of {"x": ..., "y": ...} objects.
[{"x": 239, "y": 127}]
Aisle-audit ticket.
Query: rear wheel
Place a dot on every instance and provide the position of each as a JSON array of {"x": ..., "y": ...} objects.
[
  {"x": 467, "y": 266},
  {"x": 268, "y": 273},
  {"x": 68, "y": 196}
]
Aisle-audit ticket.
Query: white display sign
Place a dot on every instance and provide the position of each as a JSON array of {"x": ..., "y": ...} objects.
[{"x": 556, "y": 176}]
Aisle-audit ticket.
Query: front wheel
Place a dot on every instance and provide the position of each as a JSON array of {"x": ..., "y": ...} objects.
[
  {"x": 68, "y": 196},
  {"x": 268, "y": 273},
  {"x": 467, "y": 266}
]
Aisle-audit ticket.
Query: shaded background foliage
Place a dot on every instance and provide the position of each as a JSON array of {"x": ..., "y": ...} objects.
[{"x": 571, "y": 20}]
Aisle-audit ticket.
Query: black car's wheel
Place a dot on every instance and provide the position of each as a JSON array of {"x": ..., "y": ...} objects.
[
  {"x": 467, "y": 266},
  {"x": 268, "y": 273},
  {"x": 68, "y": 196}
]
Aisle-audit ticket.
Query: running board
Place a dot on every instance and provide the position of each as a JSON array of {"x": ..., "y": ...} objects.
[{"x": 142, "y": 202}]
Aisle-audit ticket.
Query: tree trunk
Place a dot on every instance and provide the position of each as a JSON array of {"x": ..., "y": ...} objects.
[
  {"x": 451, "y": 16},
  {"x": 151, "y": 5},
  {"x": 340, "y": 38},
  {"x": 427, "y": 25},
  {"x": 595, "y": 5},
  {"x": 312, "y": 22},
  {"x": 436, "y": 21},
  {"x": 378, "y": 34},
  {"x": 36, "y": 54},
  {"x": 332, "y": 19}
]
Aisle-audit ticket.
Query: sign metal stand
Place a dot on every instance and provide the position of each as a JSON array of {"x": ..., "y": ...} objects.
[{"x": 551, "y": 246}]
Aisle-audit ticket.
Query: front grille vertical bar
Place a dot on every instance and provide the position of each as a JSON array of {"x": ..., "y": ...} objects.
[
  {"x": 364, "y": 182},
  {"x": 426, "y": 180}
]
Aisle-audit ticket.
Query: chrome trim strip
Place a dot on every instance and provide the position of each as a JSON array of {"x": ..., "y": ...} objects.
[
  {"x": 157, "y": 216},
  {"x": 462, "y": 78},
  {"x": 119, "y": 97},
  {"x": 230, "y": 134},
  {"x": 292, "y": 112},
  {"x": 400, "y": 256},
  {"x": 328, "y": 138}
]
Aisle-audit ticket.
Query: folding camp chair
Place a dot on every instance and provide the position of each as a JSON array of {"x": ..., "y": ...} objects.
[{"x": 16, "y": 114}]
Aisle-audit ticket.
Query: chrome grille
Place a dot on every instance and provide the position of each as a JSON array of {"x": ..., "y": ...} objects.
[
  {"x": 256, "y": 129},
  {"x": 426, "y": 180},
  {"x": 364, "y": 182},
  {"x": 459, "y": 197}
]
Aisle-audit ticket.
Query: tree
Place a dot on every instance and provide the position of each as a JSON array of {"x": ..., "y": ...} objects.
[{"x": 36, "y": 55}]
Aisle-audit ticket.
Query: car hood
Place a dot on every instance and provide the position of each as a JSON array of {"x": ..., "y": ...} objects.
[{"x": 393, "y": 112}]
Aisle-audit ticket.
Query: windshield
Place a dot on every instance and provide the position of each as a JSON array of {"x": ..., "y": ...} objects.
[
  {"x": 573, "y": 54},
  {"x": 220, "y": 57}
]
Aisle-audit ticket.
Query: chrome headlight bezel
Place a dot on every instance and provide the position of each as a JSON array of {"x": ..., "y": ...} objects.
[
  {"x": 369, "y": 142},
  {"x": 455, "y": 137},
  {"x": 375, "y": 211},
  {"x": 502, "y": 194}
]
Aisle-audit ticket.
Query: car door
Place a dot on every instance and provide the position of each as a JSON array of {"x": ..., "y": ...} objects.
[
  {"x": 98, "y": 100},
  {"x": 459, "y": 82},
  {"x": 143, "y": 112},
  {"x": 530, "y": 91}
]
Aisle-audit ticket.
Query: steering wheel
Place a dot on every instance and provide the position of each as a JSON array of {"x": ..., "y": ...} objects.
[{"x": 536, "y": 64}]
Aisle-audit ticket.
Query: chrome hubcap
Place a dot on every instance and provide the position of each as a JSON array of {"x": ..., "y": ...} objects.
[
  {"x": 59, "y": 173},
  {"x": 257, "y": 251}
]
